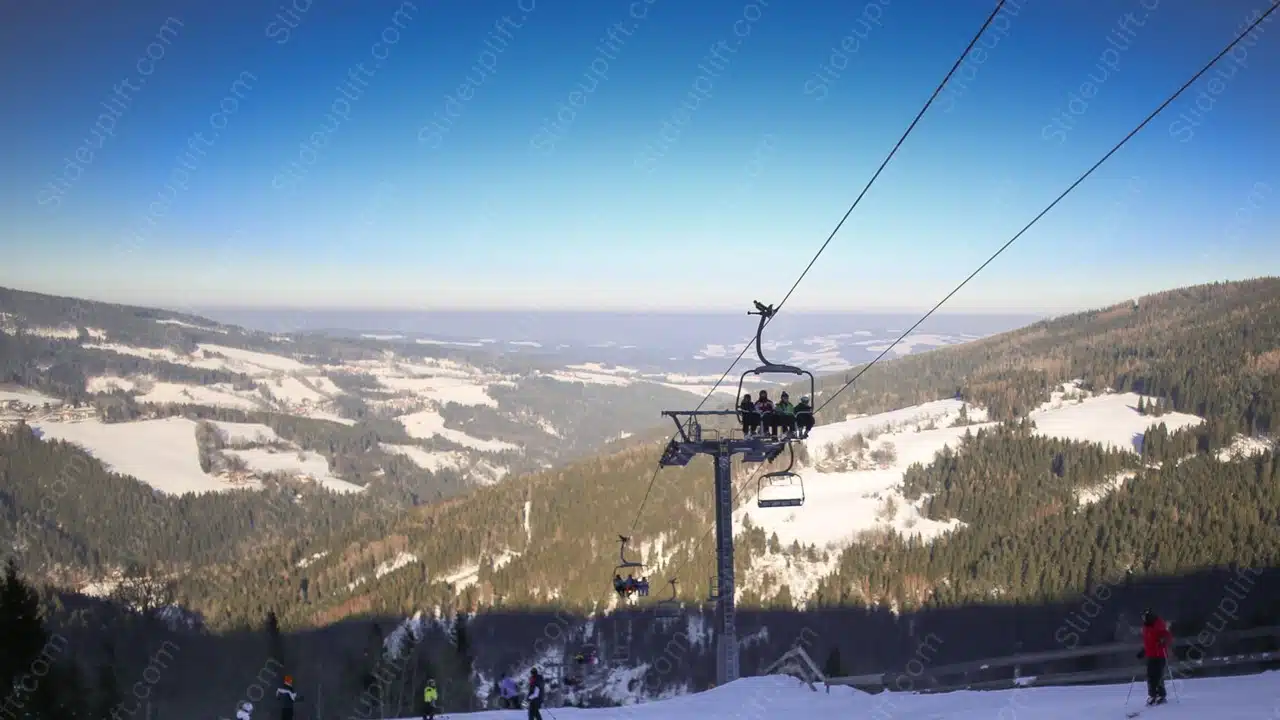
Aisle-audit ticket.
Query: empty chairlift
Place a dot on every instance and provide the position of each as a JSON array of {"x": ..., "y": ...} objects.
[
  {"x": 669, "y": 608},
  {"x": 782, "y": 488}
]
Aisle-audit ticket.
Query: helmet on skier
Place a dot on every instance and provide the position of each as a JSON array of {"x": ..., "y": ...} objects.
[
  {"x": 431, "y": 682},
  {"x": 247, "y": 707},
  {"x": 288, "y": 679}
]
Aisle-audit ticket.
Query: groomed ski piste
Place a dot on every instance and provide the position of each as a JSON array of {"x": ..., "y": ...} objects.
[{"x": 1255, "y": 697}]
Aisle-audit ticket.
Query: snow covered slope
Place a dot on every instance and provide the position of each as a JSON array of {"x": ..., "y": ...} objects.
[
  {"x": 1251, "y": 697},
  {"x": 852, "y": 483},
  {"x": 163, "y": 454}
]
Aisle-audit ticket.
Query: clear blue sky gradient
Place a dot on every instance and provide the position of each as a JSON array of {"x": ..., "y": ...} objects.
[{"x": 694, "y": 157}]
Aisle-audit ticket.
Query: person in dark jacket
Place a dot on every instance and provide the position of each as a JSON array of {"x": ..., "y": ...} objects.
[
  {"x": 1156, "y": 640},
  {"x": 288, "y": 697},
  {"x": 768, "y": 421},
  {"x": 750, "y": 418},
  {"x": 535, "y": 694},
  {"x": 804, "y": 417}
]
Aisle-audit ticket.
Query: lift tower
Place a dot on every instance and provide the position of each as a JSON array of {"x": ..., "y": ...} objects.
[{"x": 690, "y": 442}]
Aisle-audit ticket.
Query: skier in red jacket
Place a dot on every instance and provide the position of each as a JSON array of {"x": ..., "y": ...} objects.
[{"x": 1156, "y": 640}]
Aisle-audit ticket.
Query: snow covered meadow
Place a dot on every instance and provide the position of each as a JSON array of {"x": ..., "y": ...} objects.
[{"x": 1249, "y": 697}]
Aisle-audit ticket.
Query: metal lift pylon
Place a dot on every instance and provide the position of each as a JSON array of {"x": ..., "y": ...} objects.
[{"x": 689, "y": 443}]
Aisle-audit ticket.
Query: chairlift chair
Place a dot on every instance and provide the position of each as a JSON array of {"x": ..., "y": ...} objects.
[
  {"x": 792, "y": 496},
  {"x": 669, "y": 608},
  {"x": 622, "y": 556},
  {"x": 624, "y": 563},
  {"x": 766, "y": 312}
]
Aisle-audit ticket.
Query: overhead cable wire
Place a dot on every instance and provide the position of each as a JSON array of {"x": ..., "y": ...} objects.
[
  {"x": 1028, "y": 226},
  {"x": 937, "y": 91},
  {"x": 1050, "y": 206}
]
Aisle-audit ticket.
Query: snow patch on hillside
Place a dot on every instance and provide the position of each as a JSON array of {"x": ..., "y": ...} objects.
[
  {"x": 1091, "y": 495},
  {"x": 845, "y": 496},
  {"x": 235, "y": 433},
  {"x": 302, "y": 464},
  {"x": 1110, "y": 419},
  {"x": 401, "y": 560},
  {"x": 850, "y": 488},
  {"x": 619, "y": 376},
  {"x": 160, "y": 453},
  {"x": 27, "y": 397},
  {"x": 468, "y": 574},
  {"x": 427, "y": 459},
  {"x": 217, "y": 395},
  {"x": 180, "y": 323},
  {"x": 770, "y": 571},
  {"x": 304, "y": 562},
  {"x": 108, "y": 383},
  {"x": 249, "y": 362},
  {"x": 1242, "y": 448},
  {"x": 429, "y": 423}
]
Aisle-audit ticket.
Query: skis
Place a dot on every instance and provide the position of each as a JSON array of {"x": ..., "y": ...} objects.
[{"x": 1136, "y": 713}]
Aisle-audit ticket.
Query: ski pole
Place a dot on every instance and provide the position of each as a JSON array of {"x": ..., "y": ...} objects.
[{"x": 1129, "y": 694}]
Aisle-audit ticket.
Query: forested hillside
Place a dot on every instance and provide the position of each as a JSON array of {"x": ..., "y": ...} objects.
[
  {"x": 1037, "y": 514},
  {"x": 1209, "y": 350},
  {"x": 550, "y": 538}
]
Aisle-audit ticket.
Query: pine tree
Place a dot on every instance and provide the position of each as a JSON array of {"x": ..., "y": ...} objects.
[
  {"x": 107, "y": 695},
  {"x": 460, "y": 665},
  {"x": 832, "y": 667},
  {"x": 24, "y": 638},
  {"x": 275, "y": 643}
]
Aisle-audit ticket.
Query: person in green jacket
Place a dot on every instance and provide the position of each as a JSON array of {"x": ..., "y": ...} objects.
[
  {"x": 785, "y": 414},
  {"x": 429, "y": 698}
]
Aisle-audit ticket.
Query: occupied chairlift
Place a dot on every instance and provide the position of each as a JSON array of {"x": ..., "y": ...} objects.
[
  {"x": 785, "y": 488},
  {"x": 766, "y": 312}
]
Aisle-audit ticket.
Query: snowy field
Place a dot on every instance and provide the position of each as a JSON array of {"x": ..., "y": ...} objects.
[
  {"x": 160, "y": 453},
  {"x": 620, "y": 375},
  {"x": 27, "y": 397},
  {"x": 1249, "y": 697},
  {"x": 164, "y": 455},
  {"x": 300, "y": 462},
  {"x": 429, "y": 423}
]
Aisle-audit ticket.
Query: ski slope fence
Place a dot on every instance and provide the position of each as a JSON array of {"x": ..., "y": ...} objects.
[{"x": 1233, "y": 653}]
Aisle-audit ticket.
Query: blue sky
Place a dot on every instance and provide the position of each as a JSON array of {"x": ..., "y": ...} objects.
[{"x": 694, "y": 158}]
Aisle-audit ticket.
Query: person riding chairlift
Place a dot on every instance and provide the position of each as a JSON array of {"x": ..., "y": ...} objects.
[
  {"x": 785, "y": 414},
  {"x": 768, "y": 419},
  {"x": 750, "y": 418},
  {"x": 626, "y": 588},
  {"x": 804, "y": 417}
]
